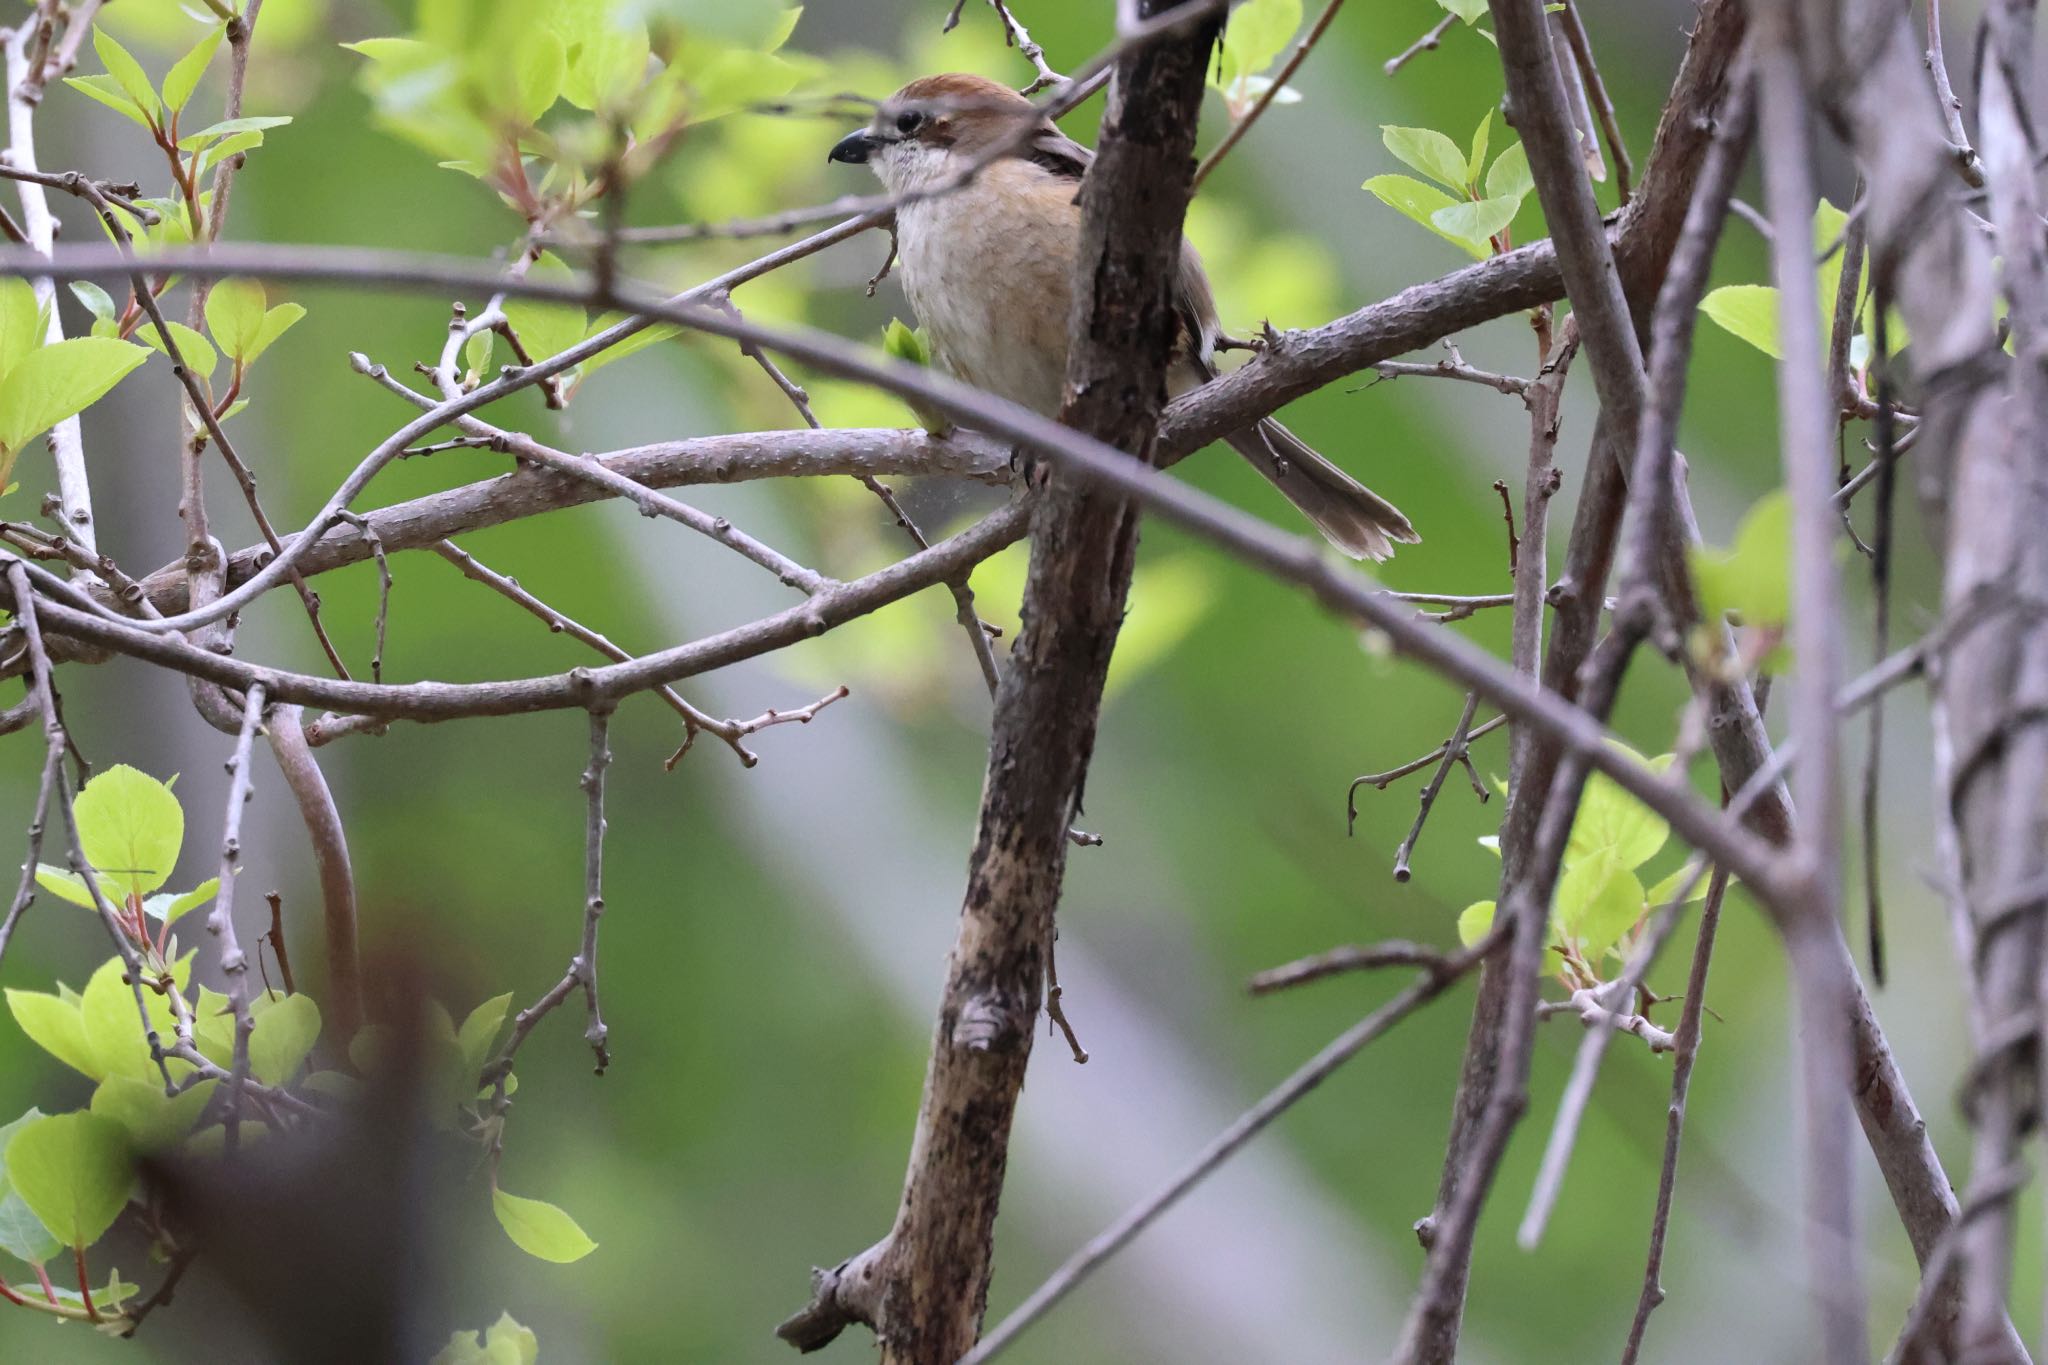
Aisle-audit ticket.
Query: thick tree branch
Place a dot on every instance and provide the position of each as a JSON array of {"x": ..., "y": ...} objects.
[{"x": 931, "y": 1287}]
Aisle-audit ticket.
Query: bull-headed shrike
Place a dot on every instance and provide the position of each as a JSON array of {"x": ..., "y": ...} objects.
[{"x": 989, "y": 266}]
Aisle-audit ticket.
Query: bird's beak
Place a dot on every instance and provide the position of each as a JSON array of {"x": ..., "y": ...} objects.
[{"x": 855, "y": 148}]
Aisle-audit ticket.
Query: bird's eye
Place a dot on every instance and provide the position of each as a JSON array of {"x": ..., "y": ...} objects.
[{"x": 909, "y": 121}]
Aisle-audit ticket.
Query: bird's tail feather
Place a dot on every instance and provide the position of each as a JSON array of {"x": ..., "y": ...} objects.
[{"x": 1351, "y": 516}]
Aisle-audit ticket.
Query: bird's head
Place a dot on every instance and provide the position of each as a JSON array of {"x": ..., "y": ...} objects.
[{"x": 930, "y": 126}]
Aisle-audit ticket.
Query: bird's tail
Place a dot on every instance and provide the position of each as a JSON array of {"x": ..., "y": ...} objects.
[{"x": 1351, "y": 516}]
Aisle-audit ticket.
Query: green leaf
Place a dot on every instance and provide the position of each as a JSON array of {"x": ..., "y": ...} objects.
[
  {"x": 22, "y": 1234},
  {"x": 1475, "y": 161},
  {"x": 1753, "y": 577},
  {"x": 197, "y": 350},
  {"x": 546, "y": 329},
  {"x": 905, "y": 344},
  {"x": 1470, "y": 222},
  {"x": 1749, "y": 312},
  {"x": 1611, "y": 821},
  {"x": 126, "y": 71},
  {"x": 1509, "y": 176},
  {"x": 106, "y": 90},
  {"x": 1428, "y": 151},
  {"x": 68, "y": 885},
  {"x": 73, "y": 1172},
  {"x": 183, "y": 78},
  {"x": 480, "y": 1029},
  {"x": 54, "y": 1024},
  {"x": 129, "y": 825},
  {"x": 169, "y": 909},
  {"x": 1598, "y": 900},
  {"x": 1257, "y": 32},
  {"x": 1666, "y": 891},
  {"x": 639, "y": 341},
  {"x": 538, "y": 67},
  {"x": 97, "y": 301},
  {"x": 286, "y": 1030},
  {"x": 606, "y": 57},
  {"x": 505, "y": 1343},
  {"x": 276, "y": 323},
  {"x": 58, "y": 381},
  {"x": 1421, "y": 203},
  {"x": 21, "y": 322},
  {"x": 113, "y": 1028},
  {"x": 1471, "y": 11},
  {"x": 1475, "y": 922},
  {"x": 152, "y": 1120},
  {"x": 234, "y": 314},
  {"x": 540, "y": 1229},
  {"x": 231, "y": 145},
  {"x": 227, "y": 127}
]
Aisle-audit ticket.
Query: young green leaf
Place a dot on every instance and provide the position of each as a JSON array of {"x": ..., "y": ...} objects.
[
  {"x": 152, "y": 1120},
  {"x": 276, "y": 323},
  {"x": 234, "y": 314},
  {"x": 113, "y": 1028},
  {"x": 905, "y": 344},
  {"x": 21, "y": 322},
  {"x": 285, "y": 1032},
  {"x": 1508, "y": 177},
  {"x": 1421, "y": 203},
  {"x": 254, "y": 123},
  {"x": 1748, "y": 312},
  {"x": 538, "y": 67},
  {"x": 1428, "y": 151},
  {"x": 126, "y": 71},
  {"x": 546, "y": 329},
  {"x": 183, "y": 78},
  {"x": 1598, "y": 900},
  {"x": 55, "y": 1025},
  {"x": 1612, "y": 822},
  {"x": 1753, "y": 577},
  {"x": 96, "y": 300},
  {"x": 1475, "y": 922},
  {"x": 170, "y": 909},
  {"x": 1666, "y": 891},
  {"x": 73, "y": 1172},
  {"x": 197, "y": 350},
  {"x": 55, "y": 382},
  {"x": 1471, "y": 11},
  {"x": 1257, "y": 32},
  {"x": 540, "y": 1229},
  {"x": 131, "y": 827},
  {"x": 505, "y": 1343},
  {"x": 22, "y": 1234},
  {"x": 68, "y": 885},
  {"x": 1475, "y": 161},
  {"x": 480, "y": 1029},
  {"x": 1474, "y": 222},
  {"x": 106, "y": 90}
]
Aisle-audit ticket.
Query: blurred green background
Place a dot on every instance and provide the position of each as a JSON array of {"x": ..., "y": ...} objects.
[{"x": 775, "y": 939}]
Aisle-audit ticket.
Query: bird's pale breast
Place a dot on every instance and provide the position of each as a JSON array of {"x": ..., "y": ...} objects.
[{"x": 989, "y": 270}]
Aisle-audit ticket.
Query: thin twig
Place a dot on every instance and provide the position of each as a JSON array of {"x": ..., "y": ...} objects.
[
  {"x": 1428, "y": 42},
  {"x": 1596, "y": 90},
  {"x": 1685, "y": 1055},
  {"x": 220, "y": 920},
  {"x": 1454, "y": 751},
  {"x": 1382, "y": 780},
  {"x": 1436, "y": 978}
]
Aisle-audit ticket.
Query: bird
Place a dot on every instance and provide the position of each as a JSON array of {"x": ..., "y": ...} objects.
[{"x": 987, "y": 262}]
